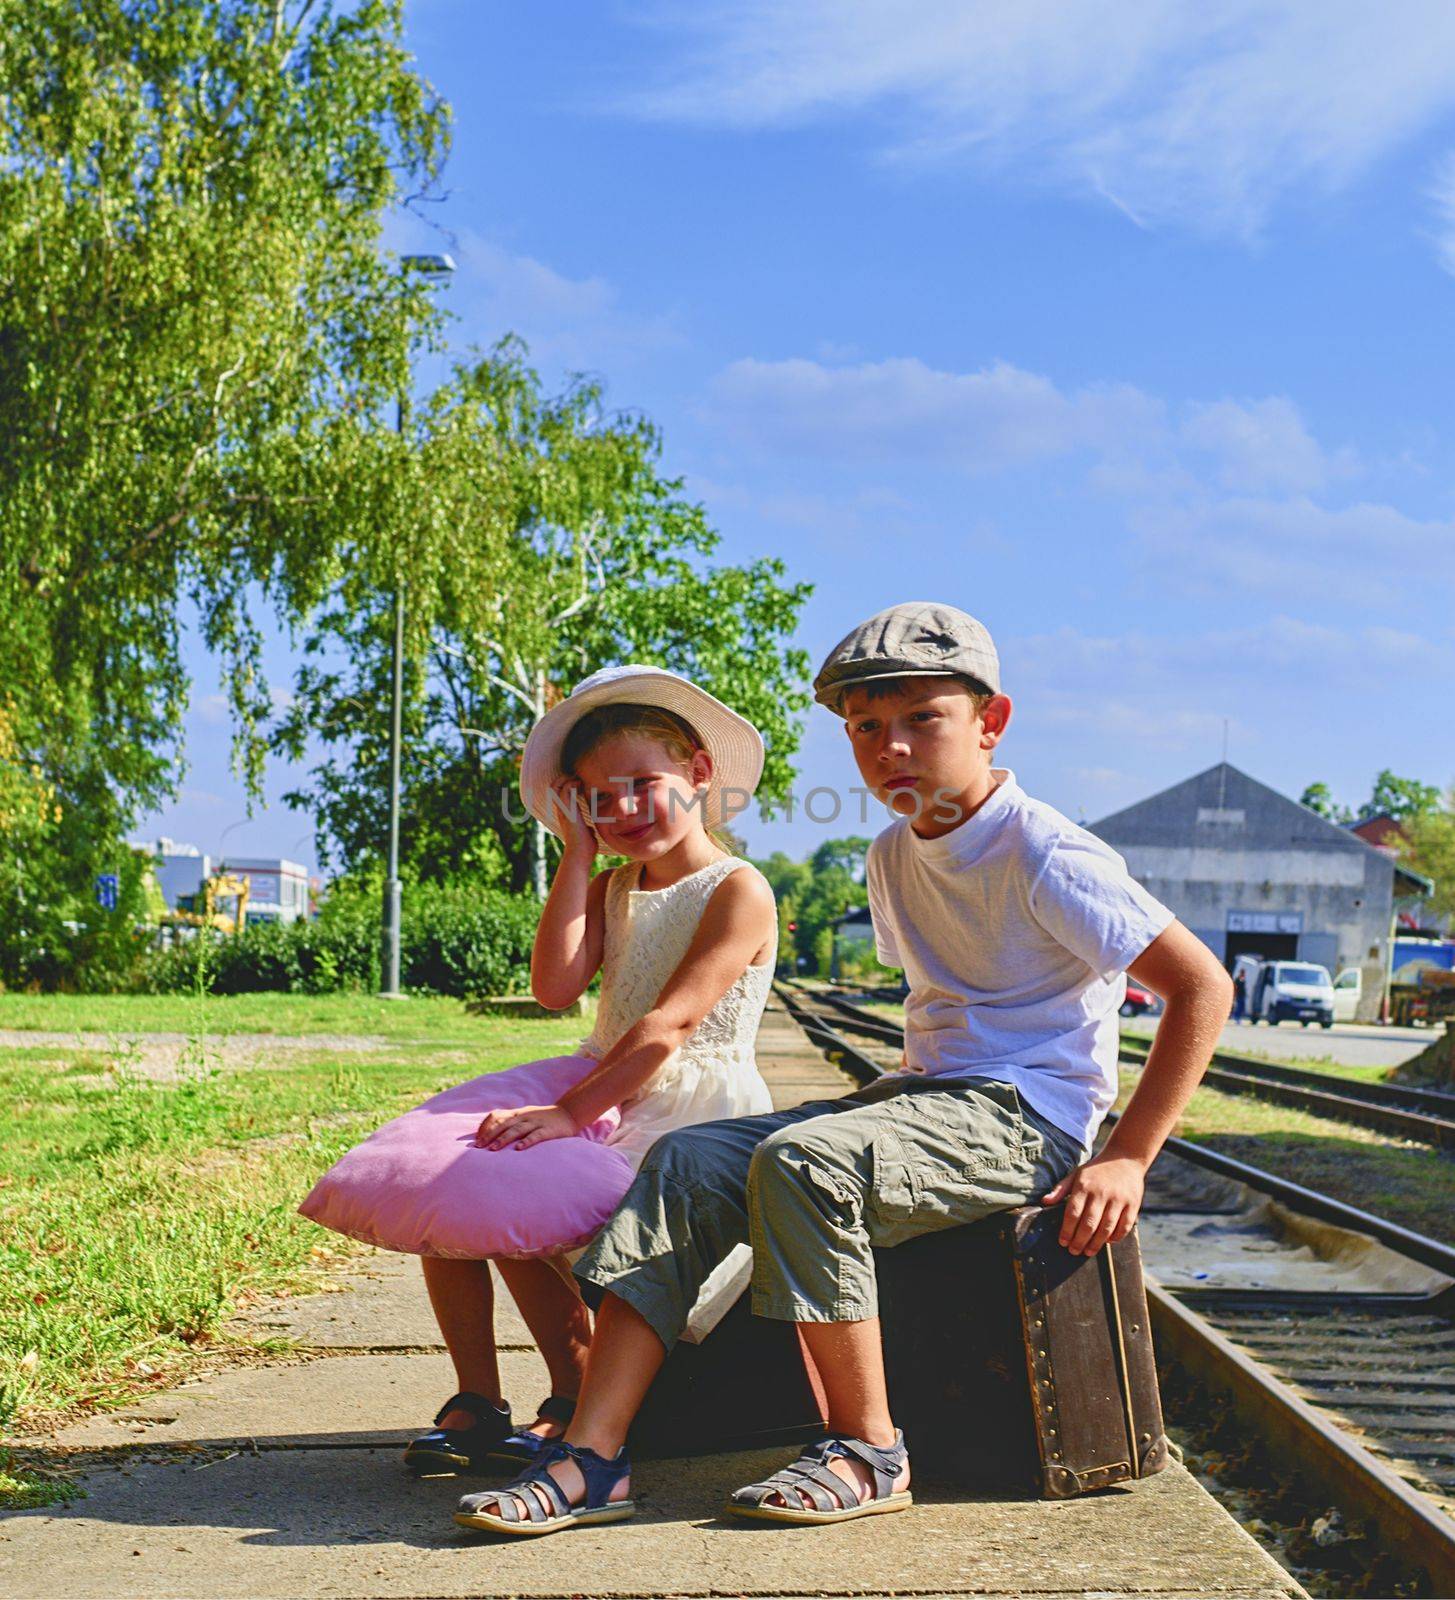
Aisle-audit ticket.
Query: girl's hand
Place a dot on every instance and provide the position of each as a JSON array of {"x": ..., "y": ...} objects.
[
  {"x": 578, "y": 836},
  {"x": 524, "y": 1126}
]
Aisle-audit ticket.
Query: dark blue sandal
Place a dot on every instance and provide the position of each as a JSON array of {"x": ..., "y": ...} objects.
[
  {"x": 812, "y": 1492},
  {"x": 520, "y": 1449},
  {"x": 499, "y": 1510},
  {"x": 447, "y": 1450}
]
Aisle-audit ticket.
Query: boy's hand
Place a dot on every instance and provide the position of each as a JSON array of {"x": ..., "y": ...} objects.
[
  {"x": 1102, "y": 1199},
  {"x": 524, "y": 1126}
]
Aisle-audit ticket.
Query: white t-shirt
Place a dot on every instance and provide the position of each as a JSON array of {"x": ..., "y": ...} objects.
[{"x": 1014, "y": 930}]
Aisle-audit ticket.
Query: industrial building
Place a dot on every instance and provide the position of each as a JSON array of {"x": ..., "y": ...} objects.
[
  {"x": 1249, "y": 870},
  {"x": 277, "y": 888}
]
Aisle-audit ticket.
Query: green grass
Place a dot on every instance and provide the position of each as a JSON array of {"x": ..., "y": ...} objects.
[
  {"x": 425, "y": 1019},
  {"x": 137, "y": 1217}
]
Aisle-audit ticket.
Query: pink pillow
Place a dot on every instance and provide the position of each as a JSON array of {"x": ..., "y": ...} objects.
[{"x": 421, "y": 1185}]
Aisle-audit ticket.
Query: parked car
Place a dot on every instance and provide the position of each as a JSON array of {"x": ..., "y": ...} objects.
[
  {"x": 1137, "y": 1001},
  {"x": 1348, "y": 987}
]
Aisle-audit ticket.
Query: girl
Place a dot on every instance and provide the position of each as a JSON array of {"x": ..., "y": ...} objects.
[{"x": 521, "y": 1167}]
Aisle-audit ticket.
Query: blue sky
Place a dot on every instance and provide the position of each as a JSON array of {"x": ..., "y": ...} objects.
[{"x": 1126, "y": 329}]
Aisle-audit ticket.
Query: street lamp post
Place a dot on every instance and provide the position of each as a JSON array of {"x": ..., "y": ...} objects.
[{"x": 432, "y": 267}]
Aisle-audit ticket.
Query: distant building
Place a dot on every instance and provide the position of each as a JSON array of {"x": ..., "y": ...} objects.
[
  {"x": 853, "y": 939},
  {"x": 1382, "y": 831},
  {"x": 1411, "y": 891},
  {"x": 1251, "y": 871},
  {"x": 180, "y": 869},
  {"x": 277, "y": 889}
]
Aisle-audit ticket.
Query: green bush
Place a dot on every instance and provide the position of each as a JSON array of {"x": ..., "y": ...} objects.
[{"x": 457, "y": 940}]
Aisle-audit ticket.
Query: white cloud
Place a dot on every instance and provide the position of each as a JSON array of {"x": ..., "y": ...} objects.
[
  {"x": 1364, "y": 554},
  {"x": 903, "y": 410},
  {"x": 1110, "y": 718},
  {"x": 211, "y": 708},
  {"x": 1442, "y": 199},
  {"x": 579, "y": 322},
  {"x": 1205, "y": 115},
  {"x": 1261, "y": 445}
]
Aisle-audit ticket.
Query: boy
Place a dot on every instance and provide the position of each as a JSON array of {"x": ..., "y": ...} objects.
[{"x": 1014, "y": 928}]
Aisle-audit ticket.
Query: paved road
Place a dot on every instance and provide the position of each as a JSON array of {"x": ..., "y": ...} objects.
[{"x": 1353, "y": 1044}]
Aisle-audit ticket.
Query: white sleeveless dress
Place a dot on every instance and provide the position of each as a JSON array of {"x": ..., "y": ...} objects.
[{"x": 715, "y": 1073}]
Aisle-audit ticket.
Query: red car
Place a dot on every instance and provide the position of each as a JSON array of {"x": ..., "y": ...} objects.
[{"x": 1137, "y": 1001}]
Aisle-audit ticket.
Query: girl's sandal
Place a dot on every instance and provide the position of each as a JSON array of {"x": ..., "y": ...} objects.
[
  {"x": 813, "y": 1492},
  {"x": 535, "y": 1503},
  {"x": 447, "y": 1450},
  {"x": 521, "y": 1448}
]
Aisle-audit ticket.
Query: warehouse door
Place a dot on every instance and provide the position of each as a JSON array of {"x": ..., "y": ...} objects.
[{"x": 1266, "y": 946}]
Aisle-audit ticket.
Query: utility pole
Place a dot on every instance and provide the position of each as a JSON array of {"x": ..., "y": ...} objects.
[{"x": 432, "y": 267}]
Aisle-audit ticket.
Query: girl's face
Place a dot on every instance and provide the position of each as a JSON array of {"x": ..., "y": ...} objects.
[{"x": 641, "y": 799}]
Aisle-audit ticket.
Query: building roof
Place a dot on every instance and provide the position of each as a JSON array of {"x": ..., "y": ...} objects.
[
  {"x": 1225, "y": 806},
  {"x": 1382, "y": 831}
]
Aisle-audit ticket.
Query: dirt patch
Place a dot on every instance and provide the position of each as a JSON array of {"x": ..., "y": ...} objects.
[{"x": 166, "y": 1057}]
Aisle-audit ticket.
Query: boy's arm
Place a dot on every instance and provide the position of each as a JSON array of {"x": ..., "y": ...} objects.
[{"x": 1104, "y": 1196}]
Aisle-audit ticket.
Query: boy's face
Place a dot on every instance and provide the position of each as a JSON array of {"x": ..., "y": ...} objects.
[{"x": 922, "y": 741}]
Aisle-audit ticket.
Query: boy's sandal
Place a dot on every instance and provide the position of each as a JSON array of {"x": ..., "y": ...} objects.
[
  {"x": 535, "y": 1503},
  {"x": 812, "y": 1492},
  {"x": 457, "y": 1449},
  {"x": 521, "y": 1448}
]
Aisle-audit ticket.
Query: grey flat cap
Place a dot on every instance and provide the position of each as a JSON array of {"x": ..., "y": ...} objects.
[{"x": 920, "y": 638}]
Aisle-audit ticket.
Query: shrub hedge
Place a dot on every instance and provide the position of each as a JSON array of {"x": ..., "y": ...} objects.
[{"x": 456, "y": 940}]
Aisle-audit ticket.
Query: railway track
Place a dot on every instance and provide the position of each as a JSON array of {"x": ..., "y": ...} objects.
[{"x": 1330, "y": 1330}]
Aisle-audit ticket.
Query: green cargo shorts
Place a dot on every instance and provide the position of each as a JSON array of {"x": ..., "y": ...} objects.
[{"x": 815, "y": 1190}]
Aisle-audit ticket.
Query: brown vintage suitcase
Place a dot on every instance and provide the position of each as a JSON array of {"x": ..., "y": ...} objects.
[{"x": 1015, "y": 1365}]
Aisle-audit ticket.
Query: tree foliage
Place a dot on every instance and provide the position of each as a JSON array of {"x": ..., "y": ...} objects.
[
  {"x": 1429, "y": 849},
  {"x": 1390, "y": 796},
  {"x": 574, "y": 551},
  {"x": 1400, "y": 798},
  {"x": 1319, "y": 797},
  {"x": 198, "y": 339},
  {"x": 812, "y": 895}
]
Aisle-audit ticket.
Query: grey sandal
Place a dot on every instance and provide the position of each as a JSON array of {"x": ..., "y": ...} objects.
[
  {"x": 601, "y": 1476},
  {"x": 829, "y": 1497}
]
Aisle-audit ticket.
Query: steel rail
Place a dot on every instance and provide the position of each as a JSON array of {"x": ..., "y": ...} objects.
[
  {"x": 1430, "y": 1119},
  {"x": 1310, "y": 1203},
  {"x": 1306, "y": 1444},
  {"x": 1296, "y": 1436}
]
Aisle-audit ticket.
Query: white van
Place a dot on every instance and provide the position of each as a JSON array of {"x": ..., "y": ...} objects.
[{"x": 1286, "y": 991}]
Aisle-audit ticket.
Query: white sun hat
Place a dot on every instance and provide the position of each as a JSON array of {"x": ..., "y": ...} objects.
[{"x": 735, "y": 745}]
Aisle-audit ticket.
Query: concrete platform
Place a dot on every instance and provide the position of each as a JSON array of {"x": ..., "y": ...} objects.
[
  {"x": 301, "y": 1522},
  {"x": 284, "y": 1480}
]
